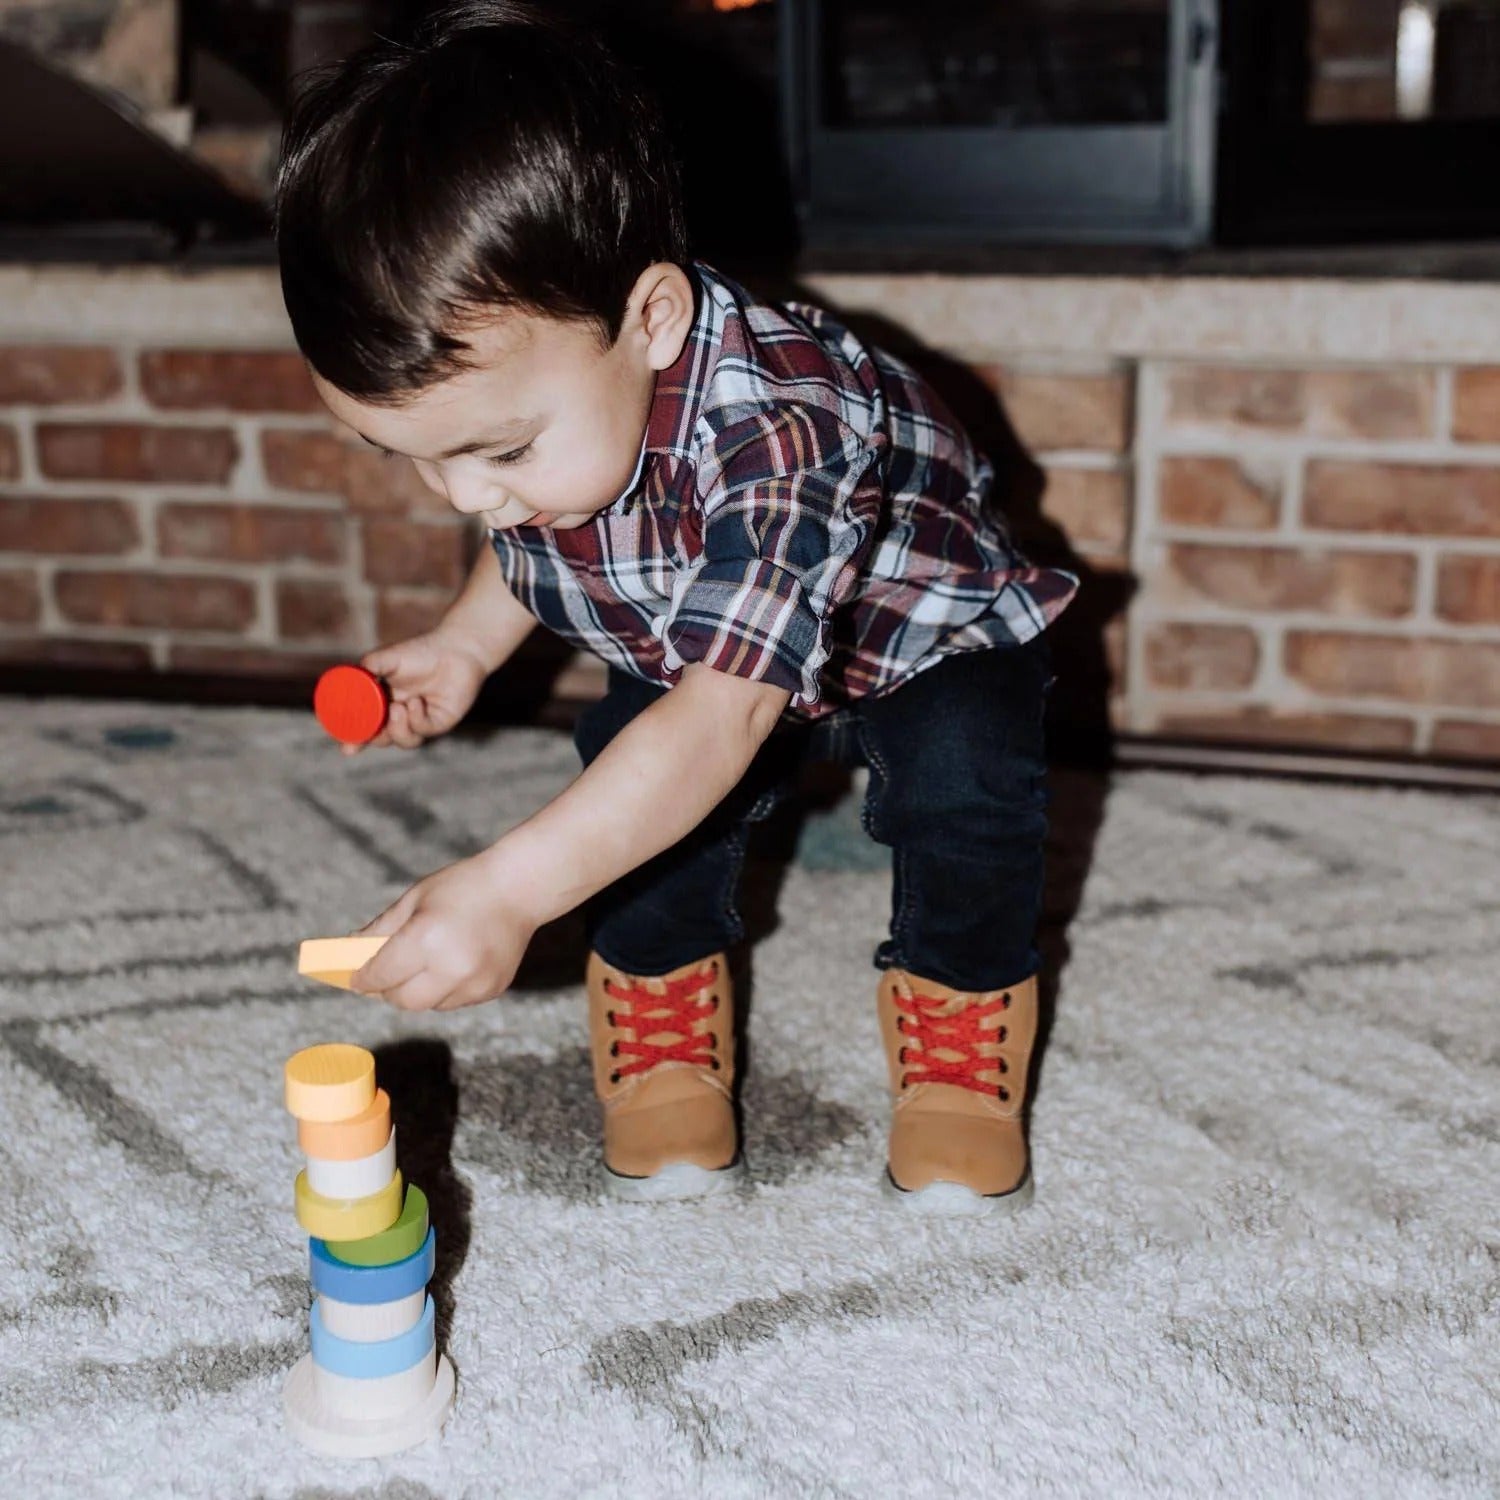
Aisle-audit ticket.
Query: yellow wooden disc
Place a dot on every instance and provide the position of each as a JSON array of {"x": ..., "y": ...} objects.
[
  {"x": 348, "y": 1218},
  {"x": 334, "y": 1081},
  {"x": 336, "y": 960}
]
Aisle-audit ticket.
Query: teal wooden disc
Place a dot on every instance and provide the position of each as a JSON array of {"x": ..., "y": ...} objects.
[{"x": 403, "y": 1238}]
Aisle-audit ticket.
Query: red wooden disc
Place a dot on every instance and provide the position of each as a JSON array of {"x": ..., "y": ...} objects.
[{"x": 350, "y": 704}]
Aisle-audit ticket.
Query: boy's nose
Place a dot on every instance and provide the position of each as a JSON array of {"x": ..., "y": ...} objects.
[{"x": 467, "y": 490}]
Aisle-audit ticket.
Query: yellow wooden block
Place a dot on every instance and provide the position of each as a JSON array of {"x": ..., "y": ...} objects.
[
  {"x": 336, "y": 960},
  {"x": 348, "y": 1218},
  {"x": 334, "y": 1081}
]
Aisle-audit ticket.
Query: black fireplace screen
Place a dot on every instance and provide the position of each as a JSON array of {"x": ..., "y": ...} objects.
[{"x": 895, "y": 64}]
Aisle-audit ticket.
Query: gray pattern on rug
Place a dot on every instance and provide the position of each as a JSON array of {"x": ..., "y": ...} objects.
[{"x": 1264, "y": 1258}]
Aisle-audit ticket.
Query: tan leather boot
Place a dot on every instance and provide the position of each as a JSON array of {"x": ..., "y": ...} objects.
[
  {"x": 959, "y": 1062},
  {"x": 663, "y": 1048}
]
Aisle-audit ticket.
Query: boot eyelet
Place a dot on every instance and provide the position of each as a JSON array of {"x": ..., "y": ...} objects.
[
  {"x": 614, "y": 1077},
  {"x": 614, "y": 1049},
  {"x": 1005, "y": 1001},
  {"x": 609, "y": 1016},
  {"x": 1000, "y": 1036},
  {"x": 714, "y": 1063},
  {"x": 1004, "y": 1066},
  {"x": 901, "y": 1055},
  {"x": 1004, "y": 1094}
]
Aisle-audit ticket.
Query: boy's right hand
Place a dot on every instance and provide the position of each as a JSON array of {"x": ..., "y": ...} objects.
[{"x": 432, "y": 679}]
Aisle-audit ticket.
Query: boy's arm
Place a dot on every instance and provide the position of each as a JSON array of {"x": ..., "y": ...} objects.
[
  {"x": 652, "y": 784},
  {"x": 486, "y": 616},
  {"x": 457, "y": 937}
]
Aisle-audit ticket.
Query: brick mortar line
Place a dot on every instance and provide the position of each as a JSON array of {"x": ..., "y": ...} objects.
[
  {"x": 267, "y": 626},
  {"x": 129, "y": 354},
  {"x": 1424, "y": 594},
  {"x": 248, "y": 474},
  {"x": 1306, "y": 702},
  {"x": 146, "y": 507},
  {"x": 1208, "y": 612},
  {"x": 26, "y": 448},
  {"x": 362, "y": 593},
  {"x": 1272, "y": 672},
  {"x": 131, "y": 408},
  {"x": 1426, "y": 729},
  {"x": 51, "y": 618},
  {"x": 175, "y": 567},
  {"x": 1078, "y": 365},
  {"x": 1293, "y": 477},
  {"x": 1148, "y": 404},
  {"x": 1443, "y": 398},
  {"x": 1405, "y": 627},
  {"x": 204, "y": 491},
  {"x": 1092, "y": 460},
  {"x": 1303, "y": 446},
  {"x": 1374, "y": 543},
  {"x": 139, "y": 635}
]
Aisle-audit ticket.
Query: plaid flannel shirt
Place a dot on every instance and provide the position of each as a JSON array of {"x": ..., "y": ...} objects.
[{"x": 805, "y": 512}]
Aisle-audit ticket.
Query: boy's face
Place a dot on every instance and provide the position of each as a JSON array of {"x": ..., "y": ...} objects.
[{"x": 546, "y": 429}]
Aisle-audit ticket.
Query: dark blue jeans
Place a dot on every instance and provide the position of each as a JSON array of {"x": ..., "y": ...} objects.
[{"x": 957, "y": 791}]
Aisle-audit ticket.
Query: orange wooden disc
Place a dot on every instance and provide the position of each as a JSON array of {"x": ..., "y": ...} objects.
[
  {"x": 350, "y": 704},
  {"x": 347, "y": 1140}
]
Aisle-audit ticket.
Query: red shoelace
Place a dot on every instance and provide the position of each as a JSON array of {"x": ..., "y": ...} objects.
[
  {"x": 677, "y": 1012},
  {"x": 960, "y": 1033}
]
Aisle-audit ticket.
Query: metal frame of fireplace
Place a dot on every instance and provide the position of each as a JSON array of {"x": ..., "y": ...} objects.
[{"x": 945, "y": 185}]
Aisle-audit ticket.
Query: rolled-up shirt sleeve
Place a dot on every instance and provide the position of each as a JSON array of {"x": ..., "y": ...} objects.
[{"x": 790, "y": 500}]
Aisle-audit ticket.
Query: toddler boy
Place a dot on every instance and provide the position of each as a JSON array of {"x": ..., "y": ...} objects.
[{"x": 776, "y": 536}]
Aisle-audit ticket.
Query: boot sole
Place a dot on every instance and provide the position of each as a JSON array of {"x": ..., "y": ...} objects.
[
  {"x": 952, "y": 1200},
  {"x": 676, "y": 1181}
]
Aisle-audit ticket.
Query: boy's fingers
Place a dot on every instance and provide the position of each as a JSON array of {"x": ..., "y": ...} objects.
[
  {"x": 398, "y": 728},
  {"x": 392, "y": 919},
  {"x": 383, "y": 662},
  {"x": 422, "y": 991},
  {"x": 419, "y": 716},
  {"x": 395, "y": 964}
]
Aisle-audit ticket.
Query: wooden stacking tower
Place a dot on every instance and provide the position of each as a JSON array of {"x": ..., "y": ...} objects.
[{"x": 374, "y": 1381}]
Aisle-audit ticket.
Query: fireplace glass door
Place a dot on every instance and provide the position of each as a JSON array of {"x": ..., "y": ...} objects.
[{"x": 1003, "y": 120}]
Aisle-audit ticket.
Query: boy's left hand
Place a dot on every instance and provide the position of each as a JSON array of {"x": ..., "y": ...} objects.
[{"x": 454, "y": 941}]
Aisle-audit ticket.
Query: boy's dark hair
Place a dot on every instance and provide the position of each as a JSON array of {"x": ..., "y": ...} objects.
[{"x": 502, "y": 158}]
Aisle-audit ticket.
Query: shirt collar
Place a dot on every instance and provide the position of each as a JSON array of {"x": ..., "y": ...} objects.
[{"x": 679, "y": 388}]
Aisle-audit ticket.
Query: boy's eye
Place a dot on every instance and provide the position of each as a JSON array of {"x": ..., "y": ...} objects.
[{"x": 513, "y": 457}]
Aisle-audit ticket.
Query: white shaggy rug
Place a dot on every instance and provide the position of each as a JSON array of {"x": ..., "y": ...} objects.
[{"x": 1264, "y": 1258}]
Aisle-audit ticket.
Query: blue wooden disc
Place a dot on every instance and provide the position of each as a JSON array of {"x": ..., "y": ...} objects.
[
  {"x": 374, "y": 1360},
  {"x": 341, "y": 1282}
]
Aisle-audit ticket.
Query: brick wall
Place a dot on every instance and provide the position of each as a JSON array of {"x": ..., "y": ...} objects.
[
  {"x": 1310, "y": 546},
  {"x": 1319, "y": 553}
]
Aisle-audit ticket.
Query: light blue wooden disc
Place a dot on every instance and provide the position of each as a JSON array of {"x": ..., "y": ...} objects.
[{"x": 372, "y": 1361}]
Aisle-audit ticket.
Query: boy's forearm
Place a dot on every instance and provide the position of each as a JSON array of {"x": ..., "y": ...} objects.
[
  {"x": 653, "y": 784},
  {"x": 487, "y": 615}
]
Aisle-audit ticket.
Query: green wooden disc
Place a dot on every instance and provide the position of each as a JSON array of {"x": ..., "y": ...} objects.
[{"x": 403, "y": 1238}]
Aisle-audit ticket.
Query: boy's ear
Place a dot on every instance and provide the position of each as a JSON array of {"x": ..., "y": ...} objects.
[{"x": 664, "y": 296}]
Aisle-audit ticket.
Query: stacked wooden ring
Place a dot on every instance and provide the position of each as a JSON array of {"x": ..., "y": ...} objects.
[{"x": 374, "y": 1382}]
